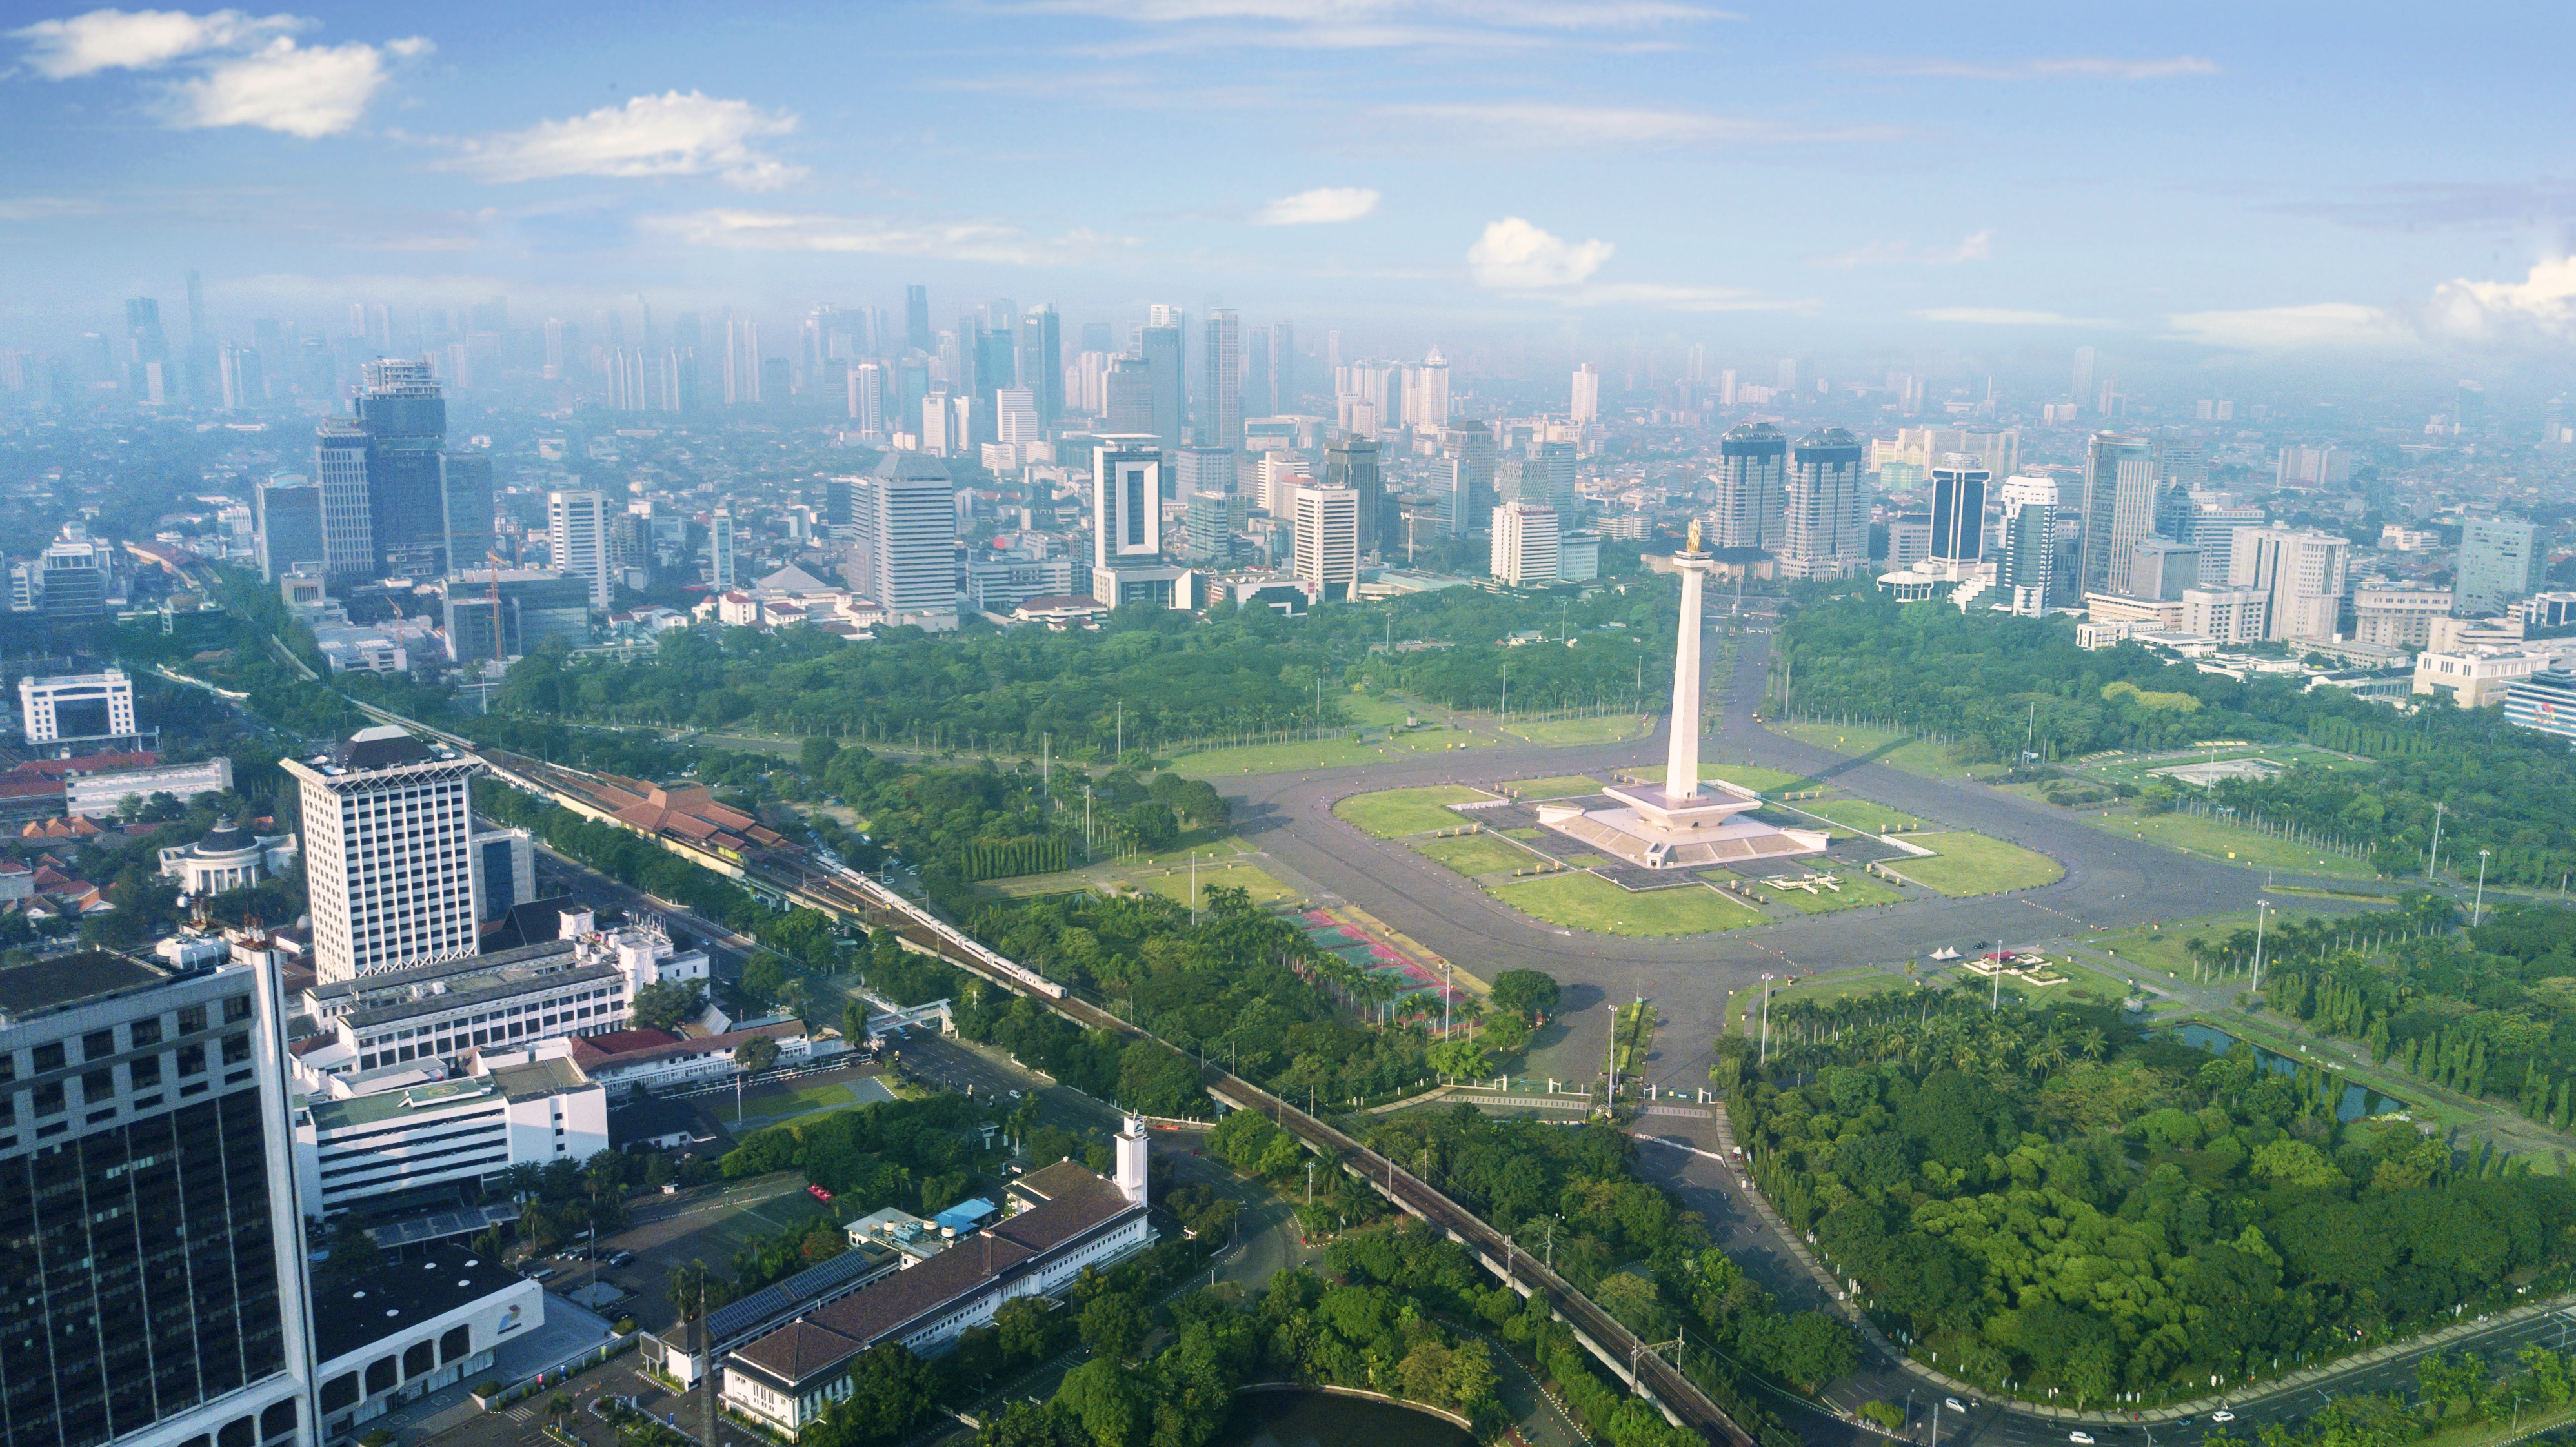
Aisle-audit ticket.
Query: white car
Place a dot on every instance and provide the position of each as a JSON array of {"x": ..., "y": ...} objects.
[
  {"x": 1954, "y": 1404},
  {"x": 2082, "y": 1439},
  {"x": 2222, "y": 1415}
]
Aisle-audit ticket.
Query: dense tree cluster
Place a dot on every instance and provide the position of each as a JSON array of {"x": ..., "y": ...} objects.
[
  {"x": 911, "y": 1154},
  {"x": 2046, "y": 1198}
]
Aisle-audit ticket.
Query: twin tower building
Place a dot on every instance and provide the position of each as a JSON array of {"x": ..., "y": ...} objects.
[{"x": 1800, "y": 502}]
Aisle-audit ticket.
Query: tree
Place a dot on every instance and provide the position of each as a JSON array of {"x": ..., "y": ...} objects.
[
  {"x": 1530, "y": 994},
  {"x": 756, "y": 1054},
  {"x": 1113, "y": 1327},
  {"x": 664, "y": 1004},
  {"x": 1105, "y": 1400}
]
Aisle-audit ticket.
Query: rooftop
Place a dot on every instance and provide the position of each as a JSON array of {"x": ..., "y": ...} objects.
[
  {"x": 74, "y": 979},
  {"x": 385, "y": 1105},
  {"x": 397, "y": 1298},
  {"x": 392, "y": 982}
]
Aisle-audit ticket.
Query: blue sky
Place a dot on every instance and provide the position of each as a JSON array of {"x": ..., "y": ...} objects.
[{"x": 2230, "y": 177}]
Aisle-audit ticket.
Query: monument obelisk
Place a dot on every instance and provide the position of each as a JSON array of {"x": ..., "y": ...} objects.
[{"x": 1681, "y": 761}]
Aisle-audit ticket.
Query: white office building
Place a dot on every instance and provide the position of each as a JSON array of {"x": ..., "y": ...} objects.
[
  {"x": 101, "y": 705},
  {"x": 577, "y": 539},
  {"x": 2225, "y": 615},
  {"x": 1328, "y": 539},
  {"x": 388, "y": 857},
  {"x": 422, "y": 1130},
  {"x": 2299, "y": 570},
  {"x": 1525, "y": 545}
]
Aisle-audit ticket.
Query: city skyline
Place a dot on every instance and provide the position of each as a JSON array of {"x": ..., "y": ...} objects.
[{"x": 1414, "y": 171}]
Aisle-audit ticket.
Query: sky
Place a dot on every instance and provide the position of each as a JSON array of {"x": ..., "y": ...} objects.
[{"x": 2223, "y": 180}]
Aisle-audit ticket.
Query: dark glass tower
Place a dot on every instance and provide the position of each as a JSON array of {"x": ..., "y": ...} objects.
[{"x": 405, "y": 417}]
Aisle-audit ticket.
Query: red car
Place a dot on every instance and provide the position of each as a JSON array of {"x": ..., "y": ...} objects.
[{"x": 818, "y": 1193}]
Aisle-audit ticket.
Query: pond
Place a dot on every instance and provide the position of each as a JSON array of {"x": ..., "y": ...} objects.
[
  {"x": 1317, "y": 1419},
  {"x": 2357, "y": 1101}
]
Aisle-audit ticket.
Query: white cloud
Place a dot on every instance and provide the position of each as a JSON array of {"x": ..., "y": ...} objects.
[
  {"x": 1526, "y": 123},
  {"x": 1321, "y": 206},
  {"x": 651, "y": 135},
  {"x": 741, "y": 230},
  {"x": 1975, "y": 246},
  {"x": 2293, "y": 328},
  {"x": 308, "y": 91},
  {"x": 140, "y": 39},
  {"x": 2069, "y": 67},
  {"x": 1513, "y": 255},
  {"x": 2539, "y": 308},
  {"x": 1997, "y": 316}
]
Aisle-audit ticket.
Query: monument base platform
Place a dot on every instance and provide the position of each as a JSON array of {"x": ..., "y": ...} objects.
[{"x": 1653, "y": 844}]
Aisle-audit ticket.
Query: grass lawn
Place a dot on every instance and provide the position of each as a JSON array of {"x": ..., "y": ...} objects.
[
  {"x": 771, "y": 1100},
  {"x": 1974, "y": 864},
  {"x": 1902, "y": 751},
  {"x": 1860, "y": 815},
  {"x": 1589, "y": 902},
  {"x": 1857, "y": 889},
  {"x": 1474, "y": 854},
  {"x": 1615, "y": 728},
  {"x": 2216, "y": 839},
  {"x": 1322, "y": 754},
  {"x": 1523, "y": 833},
  {"x": 1555, "y": 786},
  {"x": 1744, "y": 1007},
  {"x": 1377, "y": 713},
  {"x": 1262, "y": 888},
  {"x": 1749, "y": 776},
  {"x": 1393, "y": 813},
  {"x": 1432, "y": 739}
]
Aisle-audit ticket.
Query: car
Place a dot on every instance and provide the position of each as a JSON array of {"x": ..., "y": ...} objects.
[
  {"x": 2222, "y": 1415},
  {"x": 620, "y": 1258},
  {"x": 2081, "y": 1439},
  {"x": 542, "y": 1273},
  {"x": 1954, "y": 1404},
  {"x": 818, "y": 1193}
]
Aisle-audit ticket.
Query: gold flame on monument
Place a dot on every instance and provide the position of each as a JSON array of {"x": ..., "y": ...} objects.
[{"x": 1694, "y": 535}]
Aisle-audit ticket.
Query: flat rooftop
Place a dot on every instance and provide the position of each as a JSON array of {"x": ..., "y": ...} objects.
[
  {"x": 77, "y": 978},
  {"x": 399, "y": 1297}
]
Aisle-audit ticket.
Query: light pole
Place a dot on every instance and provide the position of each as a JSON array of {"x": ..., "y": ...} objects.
[
  {"x": 2479, "y": 910},
  {"x": 1766, "y": 1021},
  {"x": 2260, "y": 906},
  {"x": 2433, "y": 861},
  {"x": 1614, "y": 1055}
]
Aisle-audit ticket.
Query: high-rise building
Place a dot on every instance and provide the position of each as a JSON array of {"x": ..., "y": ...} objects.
[
  {"x": 1160, "y": 348},
  {"x": 916, "y": 319},
  {"x": 75, "y": 573},
  {"x": 1200, "y": 469},
  {"x": 2160, "y": 569},
  {"x": 405, "y": 417},
  {"x": 1207, "y": 525},
  {"x": 201, "y": 347},
  {"x": 577, "y": 539},
  {"x": 1468, "y": 448},
  {"x": 1554, "y": 461},
  {"x": 1524, "y": 545},
  {"x": 1283, "y": 367},
  {"x": 1127, "y": 398},
  {"x": 1327, "y": 546},
  {"x": 720, "y": 549},
  {"x": 1959, "y": 509},
  {"x": 1752, "y": 465},
  {"x": 1352, "y": 462},
  {"x": 157, "y": 1290},
  {"x": 2119, "y": 508},
  {"x": 2501, "y": 561},
  {"x": 146, "y": 352},
  {"x": 1131, "y": 530},
  {"x": 340, "y": 471},
  {"x": 465, "y": 509},
  {"x": 387, "y": 853},
  {"x": 915, "y": 539},
  {"x": 1825, "y": 526},
  {"x": 1042, "y": 361},
  {"x": 286, "y": 518},
  {"x": 238, "y": 370},
  {"x": 2027, "y": 568},
  {"x": 867, "y": 394},
  {"x": 2180, "y": 460},
  {"x": 1221, "y": 395},
  {"x": 1585, "y": 405},
  {"x": 2083, "y": 377},
  {"x": 2301, "y": 573},
  {"x": 1015, "y": 416}
]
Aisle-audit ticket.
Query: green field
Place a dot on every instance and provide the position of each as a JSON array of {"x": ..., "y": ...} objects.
[
  {"x": 1556, "y": 786},
  {"x": 1394, "y": 813},
  {"x": 1474, "y": 854},
  {"x": 1901, "y": 751},
  {"x": 2214, "y": 839},
  {"x": 1617, "y": 728},
  {"x": 775, "y": 1103},
  {"x": 1975, "y": 864},
  {"x": 1860, "y": 815},
  {"x": 1262, "y": 888},
  {"x": 1589, "y": 902},
  {"x": 1857, "y": 890},
  {"x": 1323, "y": 753},
  {"x": 1378, "y": 713},
  {"x": 1744, "y": 1007}
]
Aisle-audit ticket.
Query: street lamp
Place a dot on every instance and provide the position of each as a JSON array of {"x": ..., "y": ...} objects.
[
  {"x": 1766, "y": 1020},
  {"x": 2478, "y": 912},
  {"x": 2260, "y": 906}
]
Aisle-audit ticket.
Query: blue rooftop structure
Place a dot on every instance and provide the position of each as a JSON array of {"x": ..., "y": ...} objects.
[{"x": 965, "y": 1216}]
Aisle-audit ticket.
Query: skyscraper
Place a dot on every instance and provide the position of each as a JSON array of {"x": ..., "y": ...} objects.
[
  {"x": 2300, "y": 571},
  {"x": 202, "y": 363},
  {"x": 2161, "y": 569},
  {"x": 2118, "y": 508},
  {"x": 405, "y": 416},
  {"x": 286, "y": 521},
  {"x": 387, "y": 831},
  {"x": 340, "y": 471},
  {"x": 2501, "y": 560},
  {"x": 146, "y": 352},
  {"x": 2082, "y": 380},
  {"x": 1752, "y": 464},
  {"x": 1469, "y": 447},
  {"x": 915, "y": 537},
  {"x": 1131, "y": 529},
  {"x": 465, "y": 496},
  {"x": 1221, "y": 397},
  {"x": 1825, "y": 527},
  {"x": 1160, "y": 347},
  {"x": 720, "y": 549},
  {"x": 577, "y": 539},
  {"x": 1352, "y": 462},
  {"x": 1523, "y": 549},
  {"x": 147, "y": 1198},
  {"x": 916, "y": 319},
  {"x": 1585, "y": 405},
  {"x": 1959, "y": 509},
  {"x": 1555, "y": 463},
  {"x": 1127, "y": 406},
  {"x": 2028, "y": 566},
  {"x": 1327, "y": 546},
  {"x": 1042, "y": 361}
]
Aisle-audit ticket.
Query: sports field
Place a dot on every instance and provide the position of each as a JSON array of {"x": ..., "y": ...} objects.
[
  {"x": 1262, "y": 888},
  {"x": 1394, "y": 813},
  {"x": 1974, "y": 864},
  {"x": 1589, "y": 902}
]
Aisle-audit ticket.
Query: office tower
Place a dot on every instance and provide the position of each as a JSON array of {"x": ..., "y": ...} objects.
[
  {"x": 1427, "y": 398},
  {"x": 157, "y": 1290},
  {"x": 1221, "y": 393},
  {"x": 74, "y": 570},
  {"x": 1352, "y": 462},
  {"x": 936, "y": 427},
  {"x": 201, "y": 347},
  {"x": 2083, "y": 377},
  {"x": 1160, "y": 347},
  {"x": 1127, "y": 400},
  {"x": 406, "y": 422},
  {"x": 1283, "y": 367},
  {"x": 867, "y": 397},
  {"x": 2118, "y": 508},
  {"x": 1555, "y": 464},
  {"x": 1258, "y": 400},
  {"x": 340, "y": 471},
  {"x": 1586, "y": 402},
  {"x": 387, "y": 831},
  {"x": 1015, "y": 416},
  {"x": 1752, "y": 465},
  {"x": 238, "y": 374},
  {"x": 1523, "y": 551},
  {"x": 577, "y": 539},
  {"x": 1327, "y": 547},
  {"x": 997, "y": 365},
  {"x": 2176, "y": 515},
  {"x": 1126, "y": 503},
  {"x": 742, "y": 369},
  {"x": 2027, "y": 541},
  {"x": 916, "y": 318},
  {"x": 1207, "y": 524},
  {"x": 146, "y": 353},
  {"x": 2501, "y": 560},
  {"x": 914, "y": 535},
  {"x": 1825, "y": 528},
  {"x": 1578, "y": 554},
  {"x": 2180, "y": 460},
  {"x": 720, "y": 550},
  {"x": 2160, "y": 569},
  {"x": 286, "y": 514},
  {"x": 2301, "y": 574},
  {"x": 1042, "y": 360},
  {"x": 2469, "y": 411},
  {"x": 1469, "y": 448},
  {"x": 1200, "y": 469},
  {"x": 1959, "y": 509}
]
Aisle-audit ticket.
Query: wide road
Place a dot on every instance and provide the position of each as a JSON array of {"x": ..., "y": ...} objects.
[{"x": 2109, "y": 882}]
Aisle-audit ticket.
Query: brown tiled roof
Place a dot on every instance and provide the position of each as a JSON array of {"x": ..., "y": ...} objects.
[
  {"x": 798, "y": 1350},
  {"x": 1060, "y": 1219},
  {"x": 1048, "y": 1182}
]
